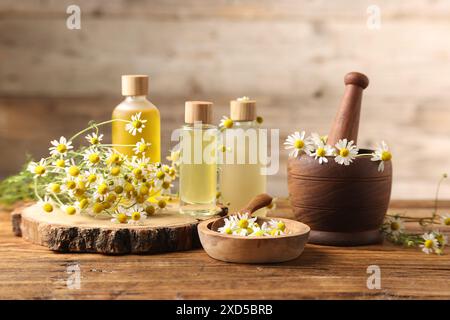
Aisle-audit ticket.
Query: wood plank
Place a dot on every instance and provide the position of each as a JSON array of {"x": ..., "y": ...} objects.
[
  {"x": 31, "y": 272},
  {"x": 248, "y": 9}
]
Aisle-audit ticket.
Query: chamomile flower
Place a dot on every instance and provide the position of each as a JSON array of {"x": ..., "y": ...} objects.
[
  {"x": 297, "y": 143},
  {"x": 445, "y": 218},
  {"x": 136, "y": 215},
  {"x": 70, "y": 210},
  {"x": 346, "y": 152},
  {"x": 226, "y": 123},
  {"x": 322, "y": 151},
  {"x": 60, "y": 164},
  {"x": 92, "y": 157},
  {"x": 120, "y": 216},
  {"x": 381, "y": 154},
  {"x": 317, "y": 138},
  {"x": 60, "y": 147},
  {"x": 94, "y": 139},
  {"x": 141, "y": 146},
  {"x": 260, "y": 231},
  {"x": 430, "y": 243},
  {"x": 229, "y": 227},
  {"x": 393, "y": 226},
  {"x": 39, "y": 169},
  {"x": 244, "y": 220},
  {"x": 46, "y": 204},
  {"x": 277, "y": 224},
  {"x": 136, "y": 124},
  {"x": 91, "y": 176},
  {"x": 73, "y": 170}
]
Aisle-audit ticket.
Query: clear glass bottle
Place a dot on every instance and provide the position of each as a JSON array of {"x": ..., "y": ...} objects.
[
  {"x": 198, "y": 160},
  {"x": 240, "y": 170},
  {"x": 135, "y": 90}
]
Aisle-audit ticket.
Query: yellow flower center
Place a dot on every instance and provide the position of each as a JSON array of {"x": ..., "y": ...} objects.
[
  {"x": 40, "y": 170},
  {"x": 94, "y": 158},
  {"x": 47, "y": 207},
  {"x": 60, "y": 163},
  {"x": 137, "y": 172},
  {"x": 143, "y": 190},
  {"x": 160, "y": 175},
  {"x": 259, "y": 233},
  {"x": 274, "y": 232},
  {"x": 114, "y": 158},
  {"x": 162, "y": 204},
  {"x": 115, "y": 171},
  {"x": 97, "y": 207},
  {"x": 103, "y": 188},
  {"x": 143, "y": 147},
  {"x": 56, "y": 188},
  {"x": 118, "y": 189},
  {"x": 71, "y": 184},
  {"x": 111, "y": 197},
  {"x": 228, "y": 123},
  {"x": 428, "y": 244},
  {"x": 74, "y": 171},
  {"x": 344, "y": 152},
  {"x": 136, "y": 216},
  {"x": 61, "y": 148},
  {"x": 165, "y": 185},
  {"x": 94, "y": 140},
  {"x": 447, "y": 221},
  {"x": 228, "y": 231},
  {"x": 299, "y": 144},
  {"x": 83, "y": 203},
  {"x": 71, "y": 210},
  {"x": 122, "y": 217},
  {"x": 386, "y": 156},
  {"x": 395, "y": 226},
  {"x": 281, "y": 226},
  {"x": 79, "y": 192},
  {"x": 106, "y": 205},
  {"x": 321, "y": 152},
  {"x": 92, "y": 178},
  {"x": 129, "y": 187},
  {"x": 137, "y": 124},
  {"x": 150, "y": 210},
  {"x": 243, "y": 223}
]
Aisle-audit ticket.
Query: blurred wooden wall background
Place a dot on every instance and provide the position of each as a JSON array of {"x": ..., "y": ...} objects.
[{"x": 289, "y": 55}]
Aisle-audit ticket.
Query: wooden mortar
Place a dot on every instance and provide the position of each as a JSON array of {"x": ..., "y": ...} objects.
[{"x": 343, "y": 205}]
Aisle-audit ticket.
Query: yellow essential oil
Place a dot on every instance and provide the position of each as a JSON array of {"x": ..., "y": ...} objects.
[
  {"x": 198, "y": 160},
  {"x": 241, "y": 178},
  {"x": 135, "y": 89}
]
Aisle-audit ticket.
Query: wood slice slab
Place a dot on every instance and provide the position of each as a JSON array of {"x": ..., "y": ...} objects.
[{"x": 163, "y": 232}]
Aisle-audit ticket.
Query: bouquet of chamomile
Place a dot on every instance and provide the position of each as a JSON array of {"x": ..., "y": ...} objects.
[{"x": 98, "y": 181}]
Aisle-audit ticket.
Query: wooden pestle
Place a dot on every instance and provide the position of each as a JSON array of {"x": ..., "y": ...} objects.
[{"x": 346, "y": 122}]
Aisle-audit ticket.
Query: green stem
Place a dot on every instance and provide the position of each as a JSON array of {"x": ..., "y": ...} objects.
[{"x": 96, "y": 126}]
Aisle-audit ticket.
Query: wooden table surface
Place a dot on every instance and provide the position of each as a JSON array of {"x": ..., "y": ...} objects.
[{"x": 32, "y": 272}]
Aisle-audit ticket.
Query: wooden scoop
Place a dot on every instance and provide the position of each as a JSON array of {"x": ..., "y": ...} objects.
[
  {"x": 346, "y": 122},
  {"x": 260, "y": 201}
]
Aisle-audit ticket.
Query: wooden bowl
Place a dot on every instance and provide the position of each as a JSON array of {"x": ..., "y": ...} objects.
[
  {"x": 343, "y": 205},
  {"x": 268, "y": 249}
]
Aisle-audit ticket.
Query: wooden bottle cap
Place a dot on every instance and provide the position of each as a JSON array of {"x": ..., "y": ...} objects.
[
  {"x": 198, "y": 111},
  {"x": 243, "y": 109},
  {"x": 134, "y": 85}
]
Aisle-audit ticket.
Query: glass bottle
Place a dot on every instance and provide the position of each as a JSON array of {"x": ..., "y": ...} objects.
[
  {"x": 241, "y": 178},
  {"x": 135, "y": 90},
  {"x": 198, "y": 160}
]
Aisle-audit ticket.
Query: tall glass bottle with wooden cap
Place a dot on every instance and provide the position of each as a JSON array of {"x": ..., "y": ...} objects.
[
  {"x": 198, "y": 161},
  {"x": 144, "y": 115},
  {"x": 241, "y": 178}
]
